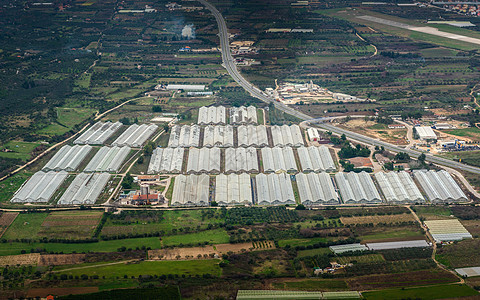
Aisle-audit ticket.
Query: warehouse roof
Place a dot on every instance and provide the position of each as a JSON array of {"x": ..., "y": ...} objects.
[{"x": 425, "y": 132}]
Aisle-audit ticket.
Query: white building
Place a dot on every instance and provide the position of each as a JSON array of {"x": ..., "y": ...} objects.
[{"x": 426, "y": 133}]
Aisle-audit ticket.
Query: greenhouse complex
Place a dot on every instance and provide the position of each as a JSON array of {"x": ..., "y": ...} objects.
[{"x": 226, "y": 158}]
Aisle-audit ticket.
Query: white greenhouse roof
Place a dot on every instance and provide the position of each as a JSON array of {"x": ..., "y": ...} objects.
[
  {"x": 98, "y": 133},
  {"x": 40, "y": 187},
  {"x": 108, "y": 159},
  {"x": 166, "y": 160},
  {"x": 135, "y": 135},
  {"x": 439, "y": 186},
  {"x": 85, "y": 189},
  {"x": 68, "y": 158}
]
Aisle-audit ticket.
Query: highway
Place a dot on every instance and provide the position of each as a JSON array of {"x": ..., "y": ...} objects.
[{"x": 230, "y": 66}]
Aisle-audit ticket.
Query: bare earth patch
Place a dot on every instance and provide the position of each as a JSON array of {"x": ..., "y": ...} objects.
[
  {"x": 22, "y": 259},
  {"x": 377, "y": 219}
]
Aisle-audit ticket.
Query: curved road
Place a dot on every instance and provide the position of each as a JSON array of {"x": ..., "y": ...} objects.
[{"x": 229, "y": 64}]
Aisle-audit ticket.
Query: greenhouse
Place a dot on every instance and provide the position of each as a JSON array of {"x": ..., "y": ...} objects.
[
  {"x": 40, "y": 187},
  {"x": 398, "y": 187},
  {"x": 241, "y": 160},
  {"x": 85, "y": 189},
  {"x": 357, "y": 188},
  {"x": 233, "y": 189},
  {"x": 316, "y": 189},
  {"x": 166, "y": 160},
  {"x": 108, "y": 159},
  {"x": 250, "y": 135},
  {"x": 287, "y": 136},
  {"x": 68, "y": 158},
  {"x": 191, "y": 190},
  {"x": 135, "y": 135},
  {"x": 184, "y": 136},
  {"x": 439, "y": 186},
  {"x": 204, "y": 160},
  {"x": 278, "y": 160},
  {"x": 98, "y": 133},
  {"x": 274, "y": 189},
  {"x": 243, "y": 115},
  {"x": 316, "y": 159},
  {"x": 211, "y": 115}
]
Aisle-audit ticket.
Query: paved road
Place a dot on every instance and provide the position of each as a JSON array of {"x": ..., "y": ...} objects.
[{"x": 229, "y": 64}]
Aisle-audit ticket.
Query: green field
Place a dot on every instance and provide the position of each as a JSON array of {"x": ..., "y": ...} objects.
[
  {"x": 469, "y": 157},
  {"x": 426, "y": 293},
  {"x": 20, "y": 150},
  {"x": 433, "y": 211},
  {"x": 187, "y": 267},
  {"x": 25, "y": 226},
  {"x": 390, "y": 233},
  {"x": 301, "y": 242},
  {"x": 101, "y": 246},
  {"x": 312, "y": 285},
  {"x": 67, "y": 118},
  {"x": 217, "y": 236},
  {"x": 472, "y": 132},
  {"x": 173, "y": 221},
  {"x": 10, "y": 185}
]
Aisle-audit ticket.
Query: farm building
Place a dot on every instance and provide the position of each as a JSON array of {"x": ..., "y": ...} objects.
[
  {"x": 243, "y": 115},
  {"x": 316, "y": 159},
  {"x": 398, "y": 187},
  {"x": 191, "y": 190},
  {"x": 108, "y": 159},
  {"x": 447, "y": 230},
  {"x": 274, "y": 189},
  {"x": 250, "y": 135},
  {"x": 184, "y": 136},
  {"x": 218, "y": 136},
  {"x": 40, "y": 188},
  {"x": 135, "y": 135},
  {"x": 85, "y": 188},
  {"x": 68, "y": 158},
  {"x": 425, "y": 133},
  {"x": 278, "y": 160},
  {"x": 339, "y": 249},
  {"x": 439, "y": 186},
  {"x": 211, "y": 115},
  {"x": 204, "y": 160},
  {"x": 287, "y": 136},
  {"x": 241, "y": 160},
  {"x": 398, "y": 245},
  {"x": 313, "y": 134},
  {"x": 98, "y": 133},
  {"x": 233, "y": 189},
  {"x": 316, "y": 189},
  {"x": 185, "y": 87},
  {"x": 166, "y": 160},
  {"x": 357, "y": 188}
]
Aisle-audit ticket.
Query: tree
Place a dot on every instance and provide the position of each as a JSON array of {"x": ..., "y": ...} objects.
[
  {"x": 140, "y": 160},
  {"x": 156, "y": 108},
  {"x": 127, "y": 182},
  {"x": 422, "y": 158},
  {"x": 402, "y": 156},
  {"x": 300, "y": 207}
]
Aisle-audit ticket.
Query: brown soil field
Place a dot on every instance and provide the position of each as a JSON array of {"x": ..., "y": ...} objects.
[
  {"x": 44, "y": 292},
  {"x": 473, "y": 226},
  {"x": 417, "y": 278},
  {"x": 61, "y": 259},
  {"x": 7, "y": 218},
  {"x": 22, "y": 259},
  {"x": 182, "y": 253},
  {"x": 217, "y": 250},
  {"x": 70, "y": 223},
  {"x": 377, "y": 219},
  {"x": 394, "y": 136}
]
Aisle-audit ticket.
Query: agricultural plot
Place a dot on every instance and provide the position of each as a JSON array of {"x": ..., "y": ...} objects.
[
  {"x": 70, "y": 224},
  {"x": 168, "y": 222},
  {"x": 189, "y": 267},
  {"x": 388, "y": 234},
  {"x": 433, "y": 212},
  {"x": 5, "y": 220},
  {"x": 311, "y": 285},
  {"x": 217, "y": 236},
  {"x": 461, "y": 254},
  {"x": 25, "y": 226},
  {"x": 427, "y": 293},
  {"x": 378, "y": 219},
  {"x": 368, "y": 258}
]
